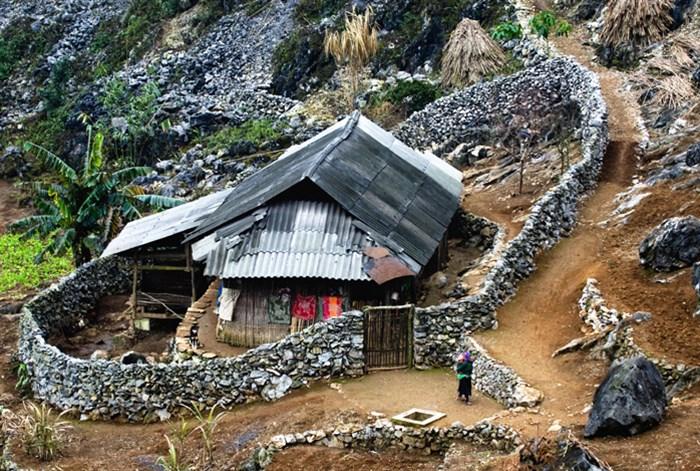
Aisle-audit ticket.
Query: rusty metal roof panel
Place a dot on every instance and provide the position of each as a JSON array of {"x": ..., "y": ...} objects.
[{"x": 165, "y": 224}]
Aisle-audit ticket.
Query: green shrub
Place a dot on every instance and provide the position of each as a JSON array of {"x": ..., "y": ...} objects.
[
  {"x": 506, "y": 31},
  {"x": 411, "y": 96},
  {"x": 546, "y": 22},
  {"x": 54, "y": 92},
  {"x": 18, "y": 270}
]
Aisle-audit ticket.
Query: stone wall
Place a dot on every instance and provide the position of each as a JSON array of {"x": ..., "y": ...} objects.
[
  {"x": 107, "y": 389},
  {"x": 383, "y": 435},
  {"x": 439, "y": 329},
  {"x": 597, "y": 315},
  {"x": 499, "y": 381}
]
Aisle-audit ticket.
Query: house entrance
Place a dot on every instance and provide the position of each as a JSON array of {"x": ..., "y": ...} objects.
[{"x": 388, "y": 339}]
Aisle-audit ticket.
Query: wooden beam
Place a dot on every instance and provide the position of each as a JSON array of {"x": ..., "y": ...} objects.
[
  {"x": 164, "y": 268},
  {"x": 190, "y": 264}
]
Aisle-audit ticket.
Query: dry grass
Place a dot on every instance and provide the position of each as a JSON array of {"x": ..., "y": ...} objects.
[
  {"x": 470, "y": 55},
  {"x": 674, "y": 92},
  {"x": 355, "y": 46},
  {"x": 636, "y": 22}
]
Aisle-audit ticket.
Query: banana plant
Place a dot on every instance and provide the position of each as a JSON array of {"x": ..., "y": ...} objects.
[{"x": 81, "y": 210}]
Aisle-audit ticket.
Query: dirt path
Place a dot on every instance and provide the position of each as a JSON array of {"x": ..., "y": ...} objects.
[
  {"x": 10, "y": 210},
  {"x": 542, "y": 316}
]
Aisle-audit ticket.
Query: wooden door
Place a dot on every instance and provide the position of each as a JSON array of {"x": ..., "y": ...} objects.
[{"x": 388, "y": 339}]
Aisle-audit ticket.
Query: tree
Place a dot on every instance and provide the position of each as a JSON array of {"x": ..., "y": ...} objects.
[
  {"x": 518, "y": 136},
  {"x": 470, "y": 55},
  {"x": 82, "y": 210},
  {"x": 354, "y": 47}
]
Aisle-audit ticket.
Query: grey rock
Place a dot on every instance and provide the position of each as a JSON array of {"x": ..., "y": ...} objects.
[
  {"x": 673, "y": 244},
  {"x": 692, "y": 155},
  {"x": 631, "y": 399}
]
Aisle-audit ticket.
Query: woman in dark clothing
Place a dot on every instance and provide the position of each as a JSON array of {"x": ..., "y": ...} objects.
[{"x": 464, "y": 376}]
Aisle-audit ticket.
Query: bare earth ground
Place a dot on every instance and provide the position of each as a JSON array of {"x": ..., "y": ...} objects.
[
  {"x": 9, "y": 207},
  {"x": 501, "y": 201},
  {"x": 309, "y": 457},
  {"x": 113, "y": 446}
]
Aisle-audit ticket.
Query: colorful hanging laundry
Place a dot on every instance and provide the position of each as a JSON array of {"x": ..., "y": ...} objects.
[
  {"x": 332, "y": 306},
  {"x": 304, "y": 307},
  {"x": 279, "y": 308}
]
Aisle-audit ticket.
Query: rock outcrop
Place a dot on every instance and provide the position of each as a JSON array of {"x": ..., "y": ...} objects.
[
  {"x": 631, "y": 399},
  {"x": 673, "y": 244}
]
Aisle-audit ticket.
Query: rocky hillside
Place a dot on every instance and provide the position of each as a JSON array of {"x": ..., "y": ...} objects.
[{"x": 169, "y": 79}]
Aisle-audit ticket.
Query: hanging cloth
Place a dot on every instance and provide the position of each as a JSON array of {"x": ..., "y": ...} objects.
[
  {"x": 332, "y": 307},
  {"x": 304, "y": 307},
  {"x": 228, "y": 301},
  {"x": 279, "y": 309}
]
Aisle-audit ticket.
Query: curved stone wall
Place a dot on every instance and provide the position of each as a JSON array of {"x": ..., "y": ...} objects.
[
  {"x": 383, "y": 435},
  {"x": 439, "y": 330},
  {"x": 105, "y": 389}
]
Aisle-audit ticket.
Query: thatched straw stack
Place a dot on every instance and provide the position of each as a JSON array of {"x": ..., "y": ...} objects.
[
  {"x": 470, "y": 55},
  {"x": 636, "y": 22}
]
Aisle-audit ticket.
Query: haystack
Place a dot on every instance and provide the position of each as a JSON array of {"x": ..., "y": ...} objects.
[{"x": 470, "y": 55}]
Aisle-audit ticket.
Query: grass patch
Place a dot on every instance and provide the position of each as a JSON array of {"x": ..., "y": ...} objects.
[
  {"x": 257, "y": 132},
  {"x": 18, "y": 271}
]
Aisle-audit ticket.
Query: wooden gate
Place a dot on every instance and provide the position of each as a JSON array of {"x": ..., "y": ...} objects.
[{"x": 388, "y": 340}]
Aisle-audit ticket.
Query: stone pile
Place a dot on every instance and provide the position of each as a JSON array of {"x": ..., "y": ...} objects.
[
  {"x": 440, "y": 329},
  {"x": 107, "y": 389},
  {"x": 383, "y": 435},
  {"x": 184, "y": 348},
  {"x": 592, "y": 309},
  {"x": 469, "y": 116}
]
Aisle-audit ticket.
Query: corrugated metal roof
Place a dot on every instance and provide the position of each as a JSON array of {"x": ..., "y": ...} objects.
[
  {"x": 164, "y": 224},
  {"x": 295, "y": 239},
  {"x": 399, "y": 194}
]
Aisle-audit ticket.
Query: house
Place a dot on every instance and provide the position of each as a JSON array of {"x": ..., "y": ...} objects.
[{"x": 350, "y": 218}]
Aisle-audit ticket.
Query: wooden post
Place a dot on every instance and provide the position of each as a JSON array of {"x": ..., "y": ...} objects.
[
  {"x": 190, "y": 268},
  {"x": 134, "y": 288}
]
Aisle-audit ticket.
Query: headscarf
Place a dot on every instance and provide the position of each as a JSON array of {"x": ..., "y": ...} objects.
[{"x": 467, "y": 356}]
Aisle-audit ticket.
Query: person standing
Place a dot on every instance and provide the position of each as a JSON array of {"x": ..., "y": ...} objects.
[{"x": 464, "y": 376}]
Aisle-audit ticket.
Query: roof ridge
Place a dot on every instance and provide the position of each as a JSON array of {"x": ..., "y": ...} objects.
[{"x": 347, "y": 130}]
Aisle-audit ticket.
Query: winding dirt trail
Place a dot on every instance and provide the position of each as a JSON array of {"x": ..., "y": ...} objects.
[{"x": 543, "y": 315}]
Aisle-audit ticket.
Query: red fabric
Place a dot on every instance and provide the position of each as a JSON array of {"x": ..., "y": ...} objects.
[
  {"x": 332, "y": 306},
  {"x": 304, "y": 307}
]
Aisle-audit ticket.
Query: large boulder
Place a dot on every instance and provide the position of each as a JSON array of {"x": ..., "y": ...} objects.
[
  {"x": 631, "y": 399},
  {"x": 673, "y": 244}
]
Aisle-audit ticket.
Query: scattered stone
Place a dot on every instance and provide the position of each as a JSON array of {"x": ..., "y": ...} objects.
[
  {"x": 692, "y": 155},
  {"x": 631, "y": 399},
  {"x": 133, "y": 358},
  {"x": 673, "y": 244}
]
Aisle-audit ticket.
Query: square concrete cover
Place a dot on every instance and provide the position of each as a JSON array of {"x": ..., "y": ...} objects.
[{"x": 418, "y": 417}]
